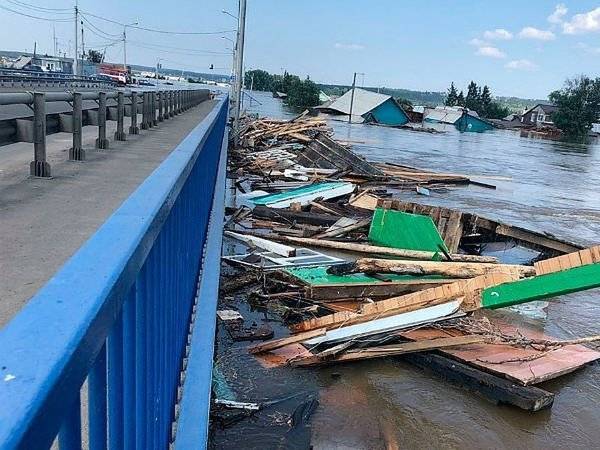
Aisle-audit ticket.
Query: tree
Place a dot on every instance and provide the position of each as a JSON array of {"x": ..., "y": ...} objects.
[
  {"x": 485, "y": 100},
  {"x": 94, "y": 56},
  {"x": 460, "y": 100},
  {"x": 472, "y": 101},
  {"x": 302, "y": 94},
  {"x": 259, "y": 80},
  {"x": 406, "y": 104},
  {"x": 578, "y": 106},
  {"x": 495, "y": 110},
  {"x": 452, "y": 98}
]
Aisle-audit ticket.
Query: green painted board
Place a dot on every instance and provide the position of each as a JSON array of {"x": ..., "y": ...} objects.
[
  {"x": 397, "y": 229},
  {"x": 292, "y": 193},
  {"x": 543, "y": 286},
  {"x": 318, "y": 276}
]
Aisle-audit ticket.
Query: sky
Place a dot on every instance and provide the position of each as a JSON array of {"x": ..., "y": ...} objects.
[{"x": 519, "y": 48}]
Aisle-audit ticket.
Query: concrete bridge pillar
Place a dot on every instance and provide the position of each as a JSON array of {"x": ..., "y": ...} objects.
[
  {"x": 154, "y": 108},
  {"x": 133, "y": 129},
  {"x": 120, "y": 133},
  {"x": 101, "y": 141},
  {"x": 77, "y": 153},
  {"x": 39, "y": 167},
  {"x": 161, "y": 103}
]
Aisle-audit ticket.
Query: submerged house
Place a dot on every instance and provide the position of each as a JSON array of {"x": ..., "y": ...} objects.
[
  {"x": 369, "y": 107},
  {"x": 539, "y": 115},
  {"x": 462, "y": 118}
]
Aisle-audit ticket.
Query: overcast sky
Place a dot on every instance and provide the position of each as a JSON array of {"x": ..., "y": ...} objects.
[{"x": 521, "y": 48}]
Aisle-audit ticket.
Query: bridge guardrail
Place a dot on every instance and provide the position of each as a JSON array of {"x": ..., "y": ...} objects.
[{"x": 118, "y": 313}]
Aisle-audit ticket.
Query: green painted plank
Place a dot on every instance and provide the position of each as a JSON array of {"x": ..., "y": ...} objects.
[
  {"x": 542, "y": 286},
  {"x": 318, "y": 276},
  {"x": 303, "y": 190},
  {"x": 397, "y": 229}
]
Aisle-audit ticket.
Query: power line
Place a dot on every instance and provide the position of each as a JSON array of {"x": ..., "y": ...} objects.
[
  {"x": 154, "y": 30},
  {"x": 98, "y": 30},
  {"x": 147, "y": 47},
  {"x": 188, "y": 50},
  {"x": 41, "y": 8},
  {"x": 34, "y": 17}
]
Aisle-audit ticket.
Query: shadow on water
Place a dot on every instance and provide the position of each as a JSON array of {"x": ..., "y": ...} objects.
[{"x": 544, "y": 185}]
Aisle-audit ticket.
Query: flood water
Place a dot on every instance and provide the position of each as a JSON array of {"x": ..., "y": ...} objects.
[{"x": 542, "y": 185}]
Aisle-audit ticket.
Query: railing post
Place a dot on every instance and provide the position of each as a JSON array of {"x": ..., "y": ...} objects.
[
  {"x": 177, "y": 102},
  {"x": 149, "y": 110},
  {"x": 154, "y": 107},
  {"x": 101, "y": 141},
  {"x": 133, "y": 129},
  {"x": 39, "y": 167},
  {"x": 77, "y": 153},
  {"x": 161, "y": 103},
  {"x": 171, "y": 103},
  {"x": 120, "y": 133},
  {"x": 144, "y": 110}
]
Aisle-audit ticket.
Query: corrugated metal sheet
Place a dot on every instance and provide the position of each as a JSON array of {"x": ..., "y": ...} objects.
[
  {"x": 364, "y": 101},
  {"x": 446, "y": 114}
]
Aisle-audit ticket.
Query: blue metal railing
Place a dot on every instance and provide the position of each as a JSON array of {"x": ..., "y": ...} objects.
[{"x": 118, "y": 315}]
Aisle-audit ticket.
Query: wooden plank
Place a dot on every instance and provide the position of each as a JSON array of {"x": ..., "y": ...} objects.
[
  {"x": 384, "y": 351},
  {"x": 278, "y": 343},
  {"x": 265, "y": 244},
  {"x": 495, "y": 358},
  {"x": 494, "y": 388},
  {"x": 534, "y": 238},
  {"x": 332, "y": 292}
]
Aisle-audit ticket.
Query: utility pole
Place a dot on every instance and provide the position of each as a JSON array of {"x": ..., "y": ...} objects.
[
  {"x": 352, "y": 98},
  {"x": 76, "y": 36},
  {"x": 82, "y": 48},
  {"x": 54, "y": 40},
  {"x": 239, "y": 65},
  {"x": 125, "y": 48}
]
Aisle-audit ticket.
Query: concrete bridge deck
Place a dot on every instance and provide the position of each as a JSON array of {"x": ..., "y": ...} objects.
[{"x": 44, "y": 221}]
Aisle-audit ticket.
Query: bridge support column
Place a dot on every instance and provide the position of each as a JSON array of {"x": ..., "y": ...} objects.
[
  {"x": 133, "y": 129},
  {"x": 39, "y": 167},
  {"x": 161, "y": 105},
  {"x": 154, "y": 108},
  {"x": 120, "y": 133},
  {"x": 77, "y": 153},
  {"x": 144, "y": 110},
  {"x": 101, "y": 141}
]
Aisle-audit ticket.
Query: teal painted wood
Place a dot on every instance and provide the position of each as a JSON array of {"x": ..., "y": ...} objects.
[
  {"x": 469, "y": 123},
  {"x": 541, "y": 287},
  {"x": 389, "y": 113},
  {"x": 297, "y": 192}
]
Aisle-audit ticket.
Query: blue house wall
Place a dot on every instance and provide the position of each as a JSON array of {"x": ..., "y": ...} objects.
[{"x": 389, "y": 113}]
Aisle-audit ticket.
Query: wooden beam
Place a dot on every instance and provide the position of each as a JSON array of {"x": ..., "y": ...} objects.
[
  {"x": 376, "y": 250},
  {"x": 418, "y": 268},
  {"x": 333, "y": 292},
  {"x": 278, "y": 343},
  {"x": 384, "y": 351}
]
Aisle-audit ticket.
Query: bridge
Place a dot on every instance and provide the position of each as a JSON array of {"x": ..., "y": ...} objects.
[{"x": 110, "y": 263}]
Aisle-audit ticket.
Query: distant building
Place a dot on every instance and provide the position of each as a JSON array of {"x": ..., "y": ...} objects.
[
  {"x": 27, "y": 61},
  {"x": 369, "y": 107},
  {"x": 539, "y": 115}
]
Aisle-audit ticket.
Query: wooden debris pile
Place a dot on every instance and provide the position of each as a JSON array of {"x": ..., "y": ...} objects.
[{"x": 359, "y": 275}]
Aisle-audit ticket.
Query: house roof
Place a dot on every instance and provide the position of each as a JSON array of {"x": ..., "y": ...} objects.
[
  {"x": 364, "y": 102},
  {"x": 548, "y": 109},
  {"x": 447, "y": 114}
]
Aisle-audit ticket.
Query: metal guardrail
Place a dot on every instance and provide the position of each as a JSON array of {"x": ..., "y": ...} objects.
[
  {"x": 118, "y": 315},
  {"x": 166, "y": 103},
  {"x": 12, "y": 77}
]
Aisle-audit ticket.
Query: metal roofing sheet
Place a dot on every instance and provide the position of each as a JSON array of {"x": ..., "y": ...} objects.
[{"x": 364, "y": 101}]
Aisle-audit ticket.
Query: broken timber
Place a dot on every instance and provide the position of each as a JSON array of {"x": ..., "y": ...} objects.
[
  {"x": 376, "y": 250},
  {"x": 416, "y": 268},
  {"x": 489, "y": 230}
]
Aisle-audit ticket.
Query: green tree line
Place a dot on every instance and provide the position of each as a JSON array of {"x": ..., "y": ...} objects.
[
  {"x": 300, "y": 93},
  {"x": 578, "y": 105},
  {"x": 477, "y": 99}
]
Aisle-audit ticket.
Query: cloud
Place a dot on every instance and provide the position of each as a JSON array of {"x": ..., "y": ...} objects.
[
  {"x": 490, "y": 52},
  {"x": 521, "y": 64},
  {"x": 587, "y": 48},
  {"x": 498, "y": 34},
  {"x": 476, "y": 42},
  {"x": 349, "y": 46},
  {"x": 583, "y": 23},
  {"x": 535, "y": 33},
  {"x": 560, "y": 11}
]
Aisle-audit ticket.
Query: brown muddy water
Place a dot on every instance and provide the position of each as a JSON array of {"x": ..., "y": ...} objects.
[{"x": 547, "y": 186}]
